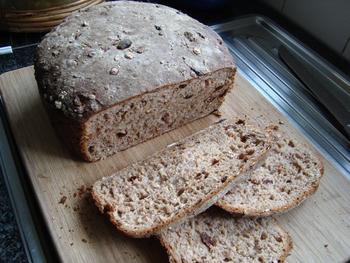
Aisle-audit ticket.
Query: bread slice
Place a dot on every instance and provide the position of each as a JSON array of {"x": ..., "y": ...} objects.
[
  {"x": 182, "y": 180},
  {"x": 218, "y": 237},
  {"x": 290, "y": 174}
]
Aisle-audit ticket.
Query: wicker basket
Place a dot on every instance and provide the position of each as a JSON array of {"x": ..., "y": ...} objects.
[{"x": 40, "y": 20}]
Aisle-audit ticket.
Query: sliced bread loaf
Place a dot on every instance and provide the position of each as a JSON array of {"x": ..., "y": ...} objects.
[
  {"x": 218, "y": 237},
  {"x": 290, "y": 174},
  {"x": 182, "y": 180},
  {"x": 120, "y": 73}
]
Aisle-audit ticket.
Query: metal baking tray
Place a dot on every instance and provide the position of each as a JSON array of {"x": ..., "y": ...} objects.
[{"x": 254, "y": 42}]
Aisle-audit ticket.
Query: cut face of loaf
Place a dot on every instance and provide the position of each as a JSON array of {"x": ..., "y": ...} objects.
[
  {"x": 290, "y": 174},
  {"x": 218, "y": 237},
  {"x": 151, "y": 114},
  {"x": 182, "y": 180}
]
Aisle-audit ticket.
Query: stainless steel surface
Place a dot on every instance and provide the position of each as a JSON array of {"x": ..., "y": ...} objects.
[
  {"x": 254, "y": 42},
  {"x": 5, "y": 50},
  {"x": 337, "y": 104}
]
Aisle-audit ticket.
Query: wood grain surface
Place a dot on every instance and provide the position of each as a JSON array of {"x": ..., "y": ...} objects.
[{"x": 320, "y": 227}]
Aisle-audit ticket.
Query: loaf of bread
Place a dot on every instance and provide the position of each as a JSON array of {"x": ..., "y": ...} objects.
[
  {"x": 218, "y": 237},
  {"x": 182, "y": 180},
  {"x": 119, "y": 73},
  {"x": 290, "y": 174}
]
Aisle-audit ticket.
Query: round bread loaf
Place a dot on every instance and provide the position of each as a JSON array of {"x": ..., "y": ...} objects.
[{"x": 119, "y": 73}]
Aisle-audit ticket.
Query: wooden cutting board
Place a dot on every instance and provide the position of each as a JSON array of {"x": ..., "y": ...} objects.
[{"x": 320, "y": 227}]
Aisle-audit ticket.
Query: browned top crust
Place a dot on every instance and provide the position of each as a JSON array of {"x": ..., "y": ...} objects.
[{"x": 105, "y": 54}]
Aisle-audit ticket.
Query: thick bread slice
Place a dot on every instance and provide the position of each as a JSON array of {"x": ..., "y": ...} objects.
[
  {"x": 182, "y": 180},
  {"x": 290, "y": 174},
  {"x": 218, "y": 237}
]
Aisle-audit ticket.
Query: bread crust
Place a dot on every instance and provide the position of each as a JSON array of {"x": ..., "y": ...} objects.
[
  {"x": 288, "y": 248},
  {"x": 169, "y": 249},
  {"x": 75, "y": 72},
  {"x": 288, "y": 242}
]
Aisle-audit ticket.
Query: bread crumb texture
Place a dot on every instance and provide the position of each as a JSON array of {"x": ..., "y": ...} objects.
[
  {"x": 218, "y": 237},
  {"x": 181, "y": 179},
  {"x": 290, "y": 174}
]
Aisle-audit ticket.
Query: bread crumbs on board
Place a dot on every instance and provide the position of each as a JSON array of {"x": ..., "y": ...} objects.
[{"x": 63, "y": 200}]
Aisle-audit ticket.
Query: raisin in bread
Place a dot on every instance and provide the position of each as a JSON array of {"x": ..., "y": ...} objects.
[
  {"x": 182, "y": 180},
  {"x": 119, "y": 73}
]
